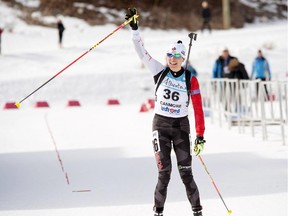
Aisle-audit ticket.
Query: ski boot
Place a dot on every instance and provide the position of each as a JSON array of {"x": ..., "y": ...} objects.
[{"x": 197, "y": 213}]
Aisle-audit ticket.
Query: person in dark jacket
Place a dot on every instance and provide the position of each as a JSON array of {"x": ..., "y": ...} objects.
[
  {"x": 1, "y": 30},
  {"x": 61, "y": 29},
  {"x": 206, "y": 15},
  {"x": 225, "y": 66}
]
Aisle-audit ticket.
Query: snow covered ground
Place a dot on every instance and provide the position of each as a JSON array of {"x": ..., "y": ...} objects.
[{"x": 106, "y": 151}]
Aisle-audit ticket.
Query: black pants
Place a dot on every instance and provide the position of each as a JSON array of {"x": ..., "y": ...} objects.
[
  {"x": 265, "y": 88},
  {"x": 168, "y": 133},
  {"x": 206, "y": 24},
  {"x": 60, "y": 37}
]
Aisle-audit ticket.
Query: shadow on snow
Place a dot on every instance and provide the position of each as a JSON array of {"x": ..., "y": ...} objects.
[{"x": 36, "y": 180}]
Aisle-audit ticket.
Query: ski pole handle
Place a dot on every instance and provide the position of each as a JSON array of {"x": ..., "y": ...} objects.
[{"x": 191, "y": 36}]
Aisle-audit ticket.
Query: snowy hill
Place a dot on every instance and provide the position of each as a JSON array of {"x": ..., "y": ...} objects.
[
  {"x": 31, "y": 56},
  {"x": 105, "y": 152},
  {"x": 154, "y": 14}
]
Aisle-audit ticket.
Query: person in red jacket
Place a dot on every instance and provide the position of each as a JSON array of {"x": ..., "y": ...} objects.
[{"x": 171, "y": 129}]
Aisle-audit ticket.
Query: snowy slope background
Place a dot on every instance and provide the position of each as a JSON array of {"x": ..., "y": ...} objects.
[{"x": 106, "y": 151}]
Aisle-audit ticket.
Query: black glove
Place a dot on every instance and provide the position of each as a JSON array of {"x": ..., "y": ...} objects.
[
  {"x": 134, "y": 22},
  {"x": 199, "y": 145}
]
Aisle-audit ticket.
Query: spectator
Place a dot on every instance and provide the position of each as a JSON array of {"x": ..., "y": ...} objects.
[
  {"x": 225, "y": 66},
  {"x": 206, "y": 15},
  {"x": 1, "y": 30},
  {"x": 261, "y": 69},
  {"x": 61, "y": 29}
]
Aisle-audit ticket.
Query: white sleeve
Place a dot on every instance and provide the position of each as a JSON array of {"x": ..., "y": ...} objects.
[{"x": 153, "y": 65}]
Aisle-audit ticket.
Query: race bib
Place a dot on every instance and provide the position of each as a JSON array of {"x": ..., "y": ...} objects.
[{"x": 172, "y": 97}]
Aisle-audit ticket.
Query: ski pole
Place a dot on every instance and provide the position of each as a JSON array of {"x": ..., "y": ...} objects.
[
  {"x": 56, "y": 150},
  {"x": 228, "y": 210},
  {"x": 191, "y": 36},
  {"x": 93, "y": 47}
]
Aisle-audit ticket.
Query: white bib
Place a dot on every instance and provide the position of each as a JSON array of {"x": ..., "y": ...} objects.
[{"x": 171, "y": 97}]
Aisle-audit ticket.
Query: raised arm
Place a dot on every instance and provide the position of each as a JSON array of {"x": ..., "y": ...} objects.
[{"x": 153, "y": 65}]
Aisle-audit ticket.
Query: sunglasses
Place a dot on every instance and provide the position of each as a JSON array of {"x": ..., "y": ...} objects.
[{"x": 177, "y": 55}]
